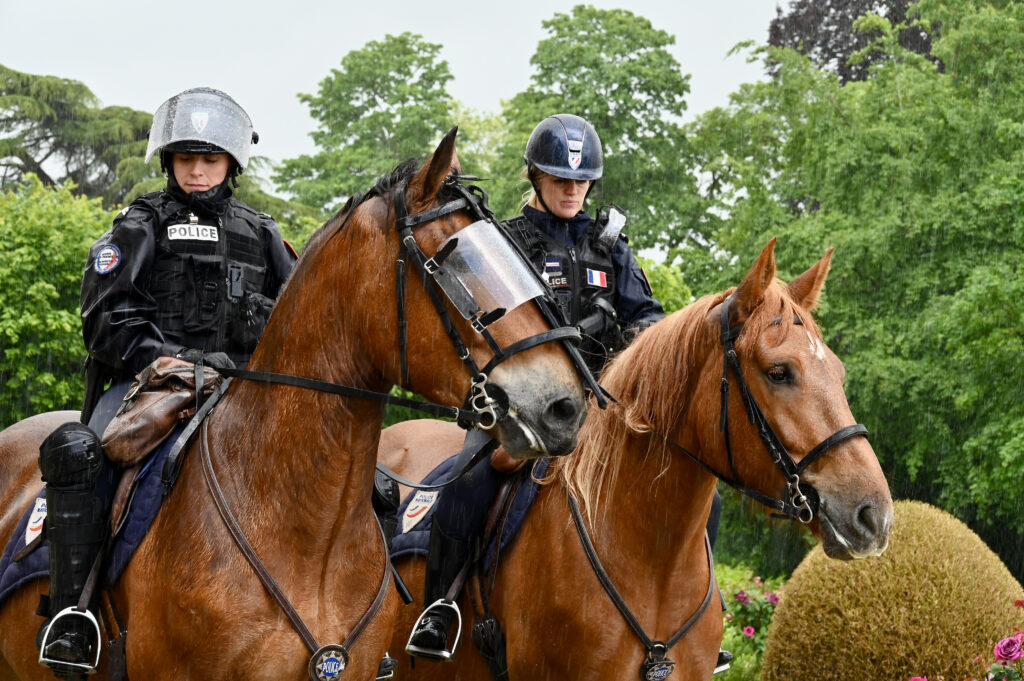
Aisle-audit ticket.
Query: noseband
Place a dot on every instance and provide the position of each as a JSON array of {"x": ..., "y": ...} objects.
[{"x": 803, "y": 501}]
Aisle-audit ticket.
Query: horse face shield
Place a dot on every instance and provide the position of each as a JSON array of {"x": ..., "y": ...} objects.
[{"x": 482, "y": 275}]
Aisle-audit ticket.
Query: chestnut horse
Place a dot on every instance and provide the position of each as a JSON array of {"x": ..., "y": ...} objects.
[
  {"x": 296, "y": 465},
  {"x": 644, "y": 476}
]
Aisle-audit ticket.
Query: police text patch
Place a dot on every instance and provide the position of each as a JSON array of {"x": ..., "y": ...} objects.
[{"x": 192, "y": 233}]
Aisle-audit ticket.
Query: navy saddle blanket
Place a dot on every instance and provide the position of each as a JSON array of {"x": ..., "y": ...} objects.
[
  {"x": 417, "y": 510},
  {"x": 149, "y": 494}
]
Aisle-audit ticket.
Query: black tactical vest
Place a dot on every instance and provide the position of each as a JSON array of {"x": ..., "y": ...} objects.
[
  {"x": 582, "y": 279},
  {"x": 208, "y": 277}
]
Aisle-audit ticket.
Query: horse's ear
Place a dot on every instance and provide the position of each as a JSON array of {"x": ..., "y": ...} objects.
[
  {"x": 805, "y": 289},
  {"x": 433, "y": 174},
  {"x": 751, "y": 290}
]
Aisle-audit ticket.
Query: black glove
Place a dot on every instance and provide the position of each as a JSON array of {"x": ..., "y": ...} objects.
[{"x": 216, "y": 360}]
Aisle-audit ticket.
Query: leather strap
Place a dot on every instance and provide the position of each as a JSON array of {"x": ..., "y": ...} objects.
[
  {"x": 264, "y": 575},
  {"x": 617, "y": 599}
]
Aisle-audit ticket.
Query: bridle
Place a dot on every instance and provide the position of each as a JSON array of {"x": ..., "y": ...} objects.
[
  {"x": 473, "y": 199},
  {"x": 801, "y": 504},
  {"x": 802, "y": 500}
]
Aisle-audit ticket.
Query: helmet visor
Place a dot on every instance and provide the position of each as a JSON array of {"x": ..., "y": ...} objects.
[
  {"x": 202, "y": 116},
  {"x": 482, "y": 274}
]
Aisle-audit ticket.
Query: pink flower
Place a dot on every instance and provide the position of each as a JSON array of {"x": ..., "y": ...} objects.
[
  {"x": 748, "y": 631},
  {"x": 1019, "y": 604},
  {"x": 728, "y": 615},
  {"x": 742, "y": 597},
  {"x": 918, "y": 678},
  {"x": 1010, "y": 648},
  {"x": 771, "y": 598}
]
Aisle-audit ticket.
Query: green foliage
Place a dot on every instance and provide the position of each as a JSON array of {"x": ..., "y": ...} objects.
[
  {"x": 45, "y": 233},
  {"x": 667, "y": 284},
  {"x": 613, "y": 68},
  {"x": 914, "y": 175},
  {"x": 386, "y": 103},
  {"x": 55, "y": 129},
  {"x": 750, "y": 604},
  {"x": 934, "y": 602}
]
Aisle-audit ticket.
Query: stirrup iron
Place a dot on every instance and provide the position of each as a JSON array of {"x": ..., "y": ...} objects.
[
  {"x": 81, "y": 667},
  {"x": 430, "y": 653}
]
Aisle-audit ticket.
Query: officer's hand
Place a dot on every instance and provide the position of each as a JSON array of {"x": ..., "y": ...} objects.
[{"x": 217, "y": 360}]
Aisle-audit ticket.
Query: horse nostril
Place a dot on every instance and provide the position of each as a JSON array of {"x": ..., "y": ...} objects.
[
  {"x": 561, "y": 412},
  {"x": 870, "y": 519}
]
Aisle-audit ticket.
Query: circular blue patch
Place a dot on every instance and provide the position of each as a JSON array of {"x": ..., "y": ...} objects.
[{"x": 107, "y": 260}]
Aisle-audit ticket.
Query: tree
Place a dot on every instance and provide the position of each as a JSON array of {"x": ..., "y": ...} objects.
[
  {"x": 915, "y": 175},
  {"x": 823, "y": 30},
  {"x": 45, "y": 234},
  {"x": 614, "y": 69},
  {"x": 55, "y": 129},
  {"x": 386, "y": 103}
]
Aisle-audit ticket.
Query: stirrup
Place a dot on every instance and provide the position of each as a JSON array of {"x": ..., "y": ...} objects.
[
  {"x": 432, "y": 653},
  {"x": 64, "y": 665},
  {"x": 386, "y": 668},
  {"x": 722, "y": 665}
]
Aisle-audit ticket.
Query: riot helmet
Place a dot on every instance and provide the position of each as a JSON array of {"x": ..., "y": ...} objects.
[
  {"x": 567, "y": 146},
  {"x": 201, "y": 121}
]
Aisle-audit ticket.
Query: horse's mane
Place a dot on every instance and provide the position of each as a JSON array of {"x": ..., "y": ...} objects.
[
  {"x": 382, "y": 187},
  {"x": 653, "y": 381}
]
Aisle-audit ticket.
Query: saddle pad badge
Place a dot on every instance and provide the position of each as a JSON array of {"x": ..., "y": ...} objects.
[{"x": 422, "y": 502}]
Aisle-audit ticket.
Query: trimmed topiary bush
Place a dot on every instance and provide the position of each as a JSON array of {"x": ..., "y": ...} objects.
[{"x": 934, "y": 604}]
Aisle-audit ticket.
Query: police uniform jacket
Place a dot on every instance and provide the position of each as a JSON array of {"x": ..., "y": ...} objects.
[
  {"x": 174, "y": 272},
  {"x": 581, "y": 271}
]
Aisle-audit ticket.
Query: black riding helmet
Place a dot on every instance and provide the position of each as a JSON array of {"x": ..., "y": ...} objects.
[{"x": 567, "y": 146}]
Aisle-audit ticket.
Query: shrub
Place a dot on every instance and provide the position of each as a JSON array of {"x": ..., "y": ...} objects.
[
  {"x": 932, "y": 605},
  {"x": 45, "y": 233},
  {"x": 750, "y": 603}
]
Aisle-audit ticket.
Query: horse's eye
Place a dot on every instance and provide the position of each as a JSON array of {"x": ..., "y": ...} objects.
[{"x": 778, "y": 374}]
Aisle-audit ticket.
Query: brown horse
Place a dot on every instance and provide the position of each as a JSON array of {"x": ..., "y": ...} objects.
[
  {"x": 645, "y": 501},
  {"x": 296, "y": 465}
]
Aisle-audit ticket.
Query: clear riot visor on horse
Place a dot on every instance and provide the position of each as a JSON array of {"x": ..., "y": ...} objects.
[{"x": 482, "y": 275}]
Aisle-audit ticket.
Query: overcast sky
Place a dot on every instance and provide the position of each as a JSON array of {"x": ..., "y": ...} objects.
[{"x": 137, "y": 53}]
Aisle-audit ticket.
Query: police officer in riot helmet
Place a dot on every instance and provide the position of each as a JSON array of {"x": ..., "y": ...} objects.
[
  {"x": 600, "y": 288},
  {"x": 189, "y": 272}
]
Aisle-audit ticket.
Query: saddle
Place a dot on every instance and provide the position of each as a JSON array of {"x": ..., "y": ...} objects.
[{"x": 158, "y": 405}]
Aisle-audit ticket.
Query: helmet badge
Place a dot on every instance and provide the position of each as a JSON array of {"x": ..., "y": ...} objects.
[
  {"x": 575, "y": 148},
  {"x": 199, "y": 120}
]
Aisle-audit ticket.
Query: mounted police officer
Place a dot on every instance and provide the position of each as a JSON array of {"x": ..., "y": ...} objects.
[
  {"x": 188, "y": 272},
  {"x": 601, "y": 289}
]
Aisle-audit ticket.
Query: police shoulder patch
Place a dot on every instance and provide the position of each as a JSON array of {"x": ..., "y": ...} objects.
[{"x": 107, "y": 260}]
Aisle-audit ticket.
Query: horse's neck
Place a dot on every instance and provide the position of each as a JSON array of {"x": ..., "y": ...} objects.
[
  {"x": 650, "y": 521},
  {"x": 310, "y": 454}
]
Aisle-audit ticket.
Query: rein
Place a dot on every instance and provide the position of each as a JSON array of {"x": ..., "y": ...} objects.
[
  {"x": 657, "y": 665},
  {"x": 800, "y": 505}
]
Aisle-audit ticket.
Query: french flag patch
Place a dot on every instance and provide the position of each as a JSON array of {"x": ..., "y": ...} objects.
[{"x": 597, "y": 278}]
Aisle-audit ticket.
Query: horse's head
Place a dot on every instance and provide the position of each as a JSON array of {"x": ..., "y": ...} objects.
[
  {"x": 432, "y": 297},
  {"x": 783, "y": 431},
  {"x": 786, "y": 421}
]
